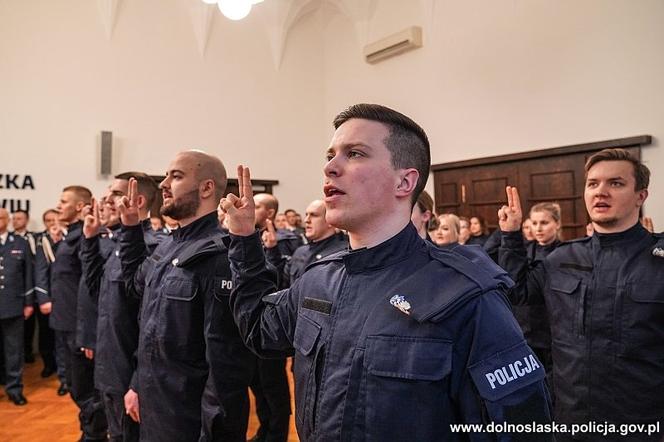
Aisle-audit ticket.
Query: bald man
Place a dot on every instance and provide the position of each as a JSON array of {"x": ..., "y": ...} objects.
[
  {"x": 192, "y": 373},
  {"x": 323, "y": 241}
]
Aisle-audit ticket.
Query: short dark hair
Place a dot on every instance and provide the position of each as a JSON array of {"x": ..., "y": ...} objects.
[
  {"x": 27, "y": 215},
  {"x": 289, "y": 210},
  {"x": 641, "y": 172},
  {"x": 46, "y": 212},
  {"x": 147, "y": 186},
  {"x": 82, "y": 193},
  {"x": 408, "y": 143}
]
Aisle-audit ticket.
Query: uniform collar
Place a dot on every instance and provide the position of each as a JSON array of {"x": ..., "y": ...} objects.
[
  {"x": 197, "y": 227},
  {"x": 74, "y": 231},
  {"x": 394, "y": 250},
  {"x": 626, "y": 238},
  {"x": 4, "y": 237}
]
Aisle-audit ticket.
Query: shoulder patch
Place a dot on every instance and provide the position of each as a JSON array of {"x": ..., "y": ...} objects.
[{"x": 506, "y": 372}]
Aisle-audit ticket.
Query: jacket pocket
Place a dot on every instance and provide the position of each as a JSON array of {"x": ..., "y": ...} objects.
[
  {"x": 568, "y": 306},
  {"x": 642, "y": 320},
  {"x": 416, "y": 371},
  {"x": 181, "y": 327},
  {"x": 307, "y": 363}
]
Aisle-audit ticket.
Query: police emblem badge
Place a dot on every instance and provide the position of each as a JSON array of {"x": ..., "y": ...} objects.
[{"x": 399, "y": 301}]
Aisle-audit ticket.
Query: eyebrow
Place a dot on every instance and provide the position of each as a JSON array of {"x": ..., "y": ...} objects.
[
  {"x": 171, "y": 172},
  {"x": 347, "y": 146}
]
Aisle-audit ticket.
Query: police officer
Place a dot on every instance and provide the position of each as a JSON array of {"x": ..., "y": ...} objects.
[
  {"x": 396, "y": 339},
  {"x": 605, "y": 297},
  {"x": 193, "y": 372},
  {"x": 20, "y": 220},
  {"x": 66, "y": 285},
  {"x": 323, "y": 240},
  {"x": 270, "y": 384},
  {"x": 117, "y": 322},
  {"x": 46, "y": 246},
  {"x": 16, "y": 299}
]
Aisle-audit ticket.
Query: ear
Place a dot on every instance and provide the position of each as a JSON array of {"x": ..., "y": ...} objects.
[
  {"x": 407, "y": 182},
  {"x": 643, "y": 195},
  {"x": 142, "y": 201},
  {"x": 271, "y": 213},
  {"x": 206, "y": 189},
  {"x": 426, "y": 216}
]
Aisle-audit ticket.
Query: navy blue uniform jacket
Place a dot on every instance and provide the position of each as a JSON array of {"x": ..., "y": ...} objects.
[
  {"x": 605, "y": 298},
  {"x": 16, "y": 276},
  {"x": 183, "y": 285},
  {"x": 394, "y": 342}
]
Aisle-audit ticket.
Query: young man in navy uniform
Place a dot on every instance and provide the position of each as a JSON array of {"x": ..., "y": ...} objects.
[
  {"x": 605, "y": 297},
  {"x": 16, "y": 298},
  {"x": 193, "y": 369},
  {"x": 395, "y": 339},
  {"x": 117, "y": 320}
]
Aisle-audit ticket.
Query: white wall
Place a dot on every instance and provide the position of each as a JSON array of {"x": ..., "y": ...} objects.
[
  {"x": 62, "y": 82},
  {"x": 493, "y": 77},
  {"x": 497, "y": 77}
]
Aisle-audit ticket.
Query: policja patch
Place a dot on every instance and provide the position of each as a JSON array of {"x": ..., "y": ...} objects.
[{"x": 507, "y": 372}]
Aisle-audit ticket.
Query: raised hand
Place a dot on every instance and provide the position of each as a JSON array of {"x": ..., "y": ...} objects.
[
  {"x": 240, "y": 210},
  {"x": 511, "y": 215},
  {"x": 269, "y": 235},
  {"x": 91, "y": 222},
  {"x": 128, "y": 205}
]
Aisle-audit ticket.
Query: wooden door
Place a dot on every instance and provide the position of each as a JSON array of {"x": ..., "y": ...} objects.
[{"x": 477, "y": 187}]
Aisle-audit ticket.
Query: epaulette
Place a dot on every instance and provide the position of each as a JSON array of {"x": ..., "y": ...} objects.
[
  {"x": 337, "y": 256},
  {"x": 198, "y": 250},
  {"x": 481, "y": 275},
  {"x": 576, "y": 240}
]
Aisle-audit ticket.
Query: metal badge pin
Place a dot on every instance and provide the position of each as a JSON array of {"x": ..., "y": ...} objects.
[
  {"x": 658, "y": 252},
  {"x": 399, "y": 301},
  {"x": 175, "y": 262}
]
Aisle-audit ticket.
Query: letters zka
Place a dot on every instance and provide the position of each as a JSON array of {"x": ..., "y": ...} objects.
[{"x": 512, "y": 371}]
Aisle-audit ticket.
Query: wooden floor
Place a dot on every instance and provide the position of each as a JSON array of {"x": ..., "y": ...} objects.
[{"x": 53, "y": 418}]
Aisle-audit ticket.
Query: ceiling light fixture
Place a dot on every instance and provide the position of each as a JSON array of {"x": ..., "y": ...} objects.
[{"x": 234, "y": 9}]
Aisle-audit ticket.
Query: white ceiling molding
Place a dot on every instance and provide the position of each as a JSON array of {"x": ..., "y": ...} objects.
[
  {"x": 202, "y": 16},
  {"x": 281, "y": 16},
  {"x": 360, "y": 13},
  {"x": 107, "y": 12}
]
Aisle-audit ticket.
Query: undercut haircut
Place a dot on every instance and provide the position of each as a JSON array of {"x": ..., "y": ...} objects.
[
  {"x": 81, "y": 193},
  {"x": 147, "y": 186},
  {"x": 407, "y": 142},
  {"x": 641, "y": 171}
]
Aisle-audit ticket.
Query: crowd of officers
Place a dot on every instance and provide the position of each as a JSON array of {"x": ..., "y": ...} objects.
[{"x": 402, "y": 324}]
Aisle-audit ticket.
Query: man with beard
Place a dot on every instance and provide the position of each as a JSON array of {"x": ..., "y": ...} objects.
[
  {"x": 117, "y": 319},
  {"x": 396, "y": 339},
  {"x": 605, "y": 297},
  {"x": 192, "y": 372}
]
